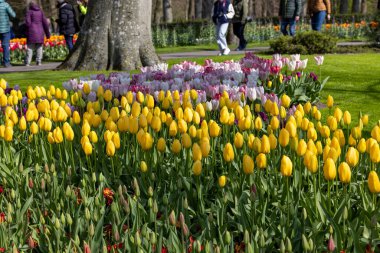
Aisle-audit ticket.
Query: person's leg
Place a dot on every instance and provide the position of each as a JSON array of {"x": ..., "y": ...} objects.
[
  {"x": 39, "y": 54},
  {"x": 236, "y": 30},
  {"x": 243, "y": 42},
  {"x": 29, "y": 54},
  {"x": 69, "y": 41},
  {"x": 320, "y": 18},
  {"x": 284, "y": 25},
  {"x": 5, "y": 40},
  {"x": 292, "y": 24},
  {"x": 218, "y": 38},
  {"x": 222, "y": 35},
  {"x": 314, "y": 19}
]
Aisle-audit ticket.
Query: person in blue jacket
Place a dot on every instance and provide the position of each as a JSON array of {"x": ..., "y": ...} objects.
[{"x": 6, "y": 12}]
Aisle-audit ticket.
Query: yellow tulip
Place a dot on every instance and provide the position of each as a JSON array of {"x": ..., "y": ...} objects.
[
  {"x": 285, "y": 101},
  {"x": 22, "y": 124},
  {"x": 93, "y": 137},
  {"x": 307, "y": 107},
  {"x": 186, "y": 140},
  {"x": 312, "y": 163},
  {"x": 173, "y": 128},
  {"x": 352, "y": 157},
  {"x": 261, "y": 161},
  {"x": 332, "y": 123},
  {"x": 344, "y": 173},
  {"x": 34, "y": 128},
  {"x": 286, "y": 166},
  {"x": 224, "y": 115},
  {"x": 182, "y": 126},
  {"x": 161, "y": 145},
  {"x": 329, "y": 169},
  {"x": 283, "y": 139},
  {"x": 68, "y": 131},
  {"x": 8, "y": 134},
  {"x": 265, "y": 145},
  {"x": 272, "y": 141},
  {"x": 47, "y": 125},
  {"x": 50, "y": 138},
  {"x": 301, "y": 148},
  {"x": 133, "y": 125},
  {"x": 214, "y": 129},
  {"x": 305, "y": 124},
  {"x": 325, "y": 132},
  {"x": 149, "y": 101},
  {"x": 373, "y": 182},
  {"x": 116, "y": 140},
  {"x": 258, "y": 123},
  {"x": 248, "y": 164},
  {"x": 291, "y": 128},
  {"x": 176, "y": 146},
  {"x": 143, "y": 167},
  {"x": 110, "y": 148},
  {"x": 147, "y": 141},
  {"x": 228, "y": 153},
  {"x": 365, "y": 119},
  {"x": 204, "y": 143},
  {"x": 274, "y": 123},
  {"x": 58, "y": 136},
  {"x": 86, "y": 129},
  {"x": 375, "y": 133},
  {"x": 197, "y": 168},
  {"x": 197, "y": 152},
  {"x": 347, "y": 118},
  {"x": 238, "y": 140},
  {"x": 257, "y": 145},
  {"x": 156, "y": 124},
  {"x": 330, "y": 101},
  {"x": 362, "y": 146},
  {"x": 356, "y": 133},
  {"x": 107, "y": 95},
  {"x": 201, "y": 110},
  {"x": 338, "y": 114},
  {"x": 86, "y": 88},
  {"x": 222, "y": 180},
  {"x": 375, "y": 153}
]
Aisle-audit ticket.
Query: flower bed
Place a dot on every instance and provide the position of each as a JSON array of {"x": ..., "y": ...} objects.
[{"x": 188, "y": 159}]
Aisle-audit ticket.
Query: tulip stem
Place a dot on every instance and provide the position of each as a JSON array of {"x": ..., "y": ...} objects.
[
  {"x": 328, "y": 195},
  {"x": 287, "y": 198}
]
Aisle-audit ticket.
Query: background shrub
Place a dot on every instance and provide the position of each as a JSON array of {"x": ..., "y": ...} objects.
[{"x": 304, "y": 43}]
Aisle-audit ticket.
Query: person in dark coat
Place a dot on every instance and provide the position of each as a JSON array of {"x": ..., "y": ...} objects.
[
  {"x": 37, "y": 28},
  {"x": 68, "y": 25},
  {"x": 289, "y": 14},
  {"x": 222, "y": 13},
  {"x": 239, "y": 21}
]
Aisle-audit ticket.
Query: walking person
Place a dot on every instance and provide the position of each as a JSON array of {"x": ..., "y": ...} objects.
[
  {"x": 223, "y": 12},
  {"x": 68, "y": 25},
  {"x": 239, "y": 22},
  {"x": 318, "y": 10},
  {"x": 6, "y": 12},
  {"x": 37, "y": 27},
  {"x": 289, "y": 14},
  {"x": 82, "y": 5}
]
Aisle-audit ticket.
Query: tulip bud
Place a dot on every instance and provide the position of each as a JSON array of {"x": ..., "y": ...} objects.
[
  {"x": 246, "y": 237},
  {"x": 172, "y": 219},
  {"x": 331, "y": 244},
  {"x": 227, "y": 237},
  {"x": 57, "y": 224},
  {"x": 87, "y": 214},
  {"x": 282, "y": 247},
  {"x": 136, "y": 187},
  {"x": 288, "y": 247},
  {"x": 305, "y": 243}
]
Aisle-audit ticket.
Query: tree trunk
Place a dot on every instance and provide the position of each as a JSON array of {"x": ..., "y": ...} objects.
[
  {"x": 198, "y": 9},
  {"x": 343, "y": 8},
  {"x": 115, "y": 36},
  {"x": 258, "y": 8},
  {"x": 190, "y": 9},
  {"x": 355, "y": 6},
  {"x": 168, "y": 11},
  {"x": 378, "y": 5},
  {"x": 207, "y": 9},
  {"x": 157, "y": 16},
  {"x": 364, "y": 7}
]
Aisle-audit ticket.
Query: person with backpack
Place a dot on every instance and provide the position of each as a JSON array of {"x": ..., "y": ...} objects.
[
  {"x": 289, "y": 14},
  {"x": 239, "y": 21},
  {"x": 6, "y": 12},
  {"x": 37, "y": 27},
  {"x": 318, "y": 10},
  {"x": 68, "y": 25},
  {"x": 222, "y": 13}
]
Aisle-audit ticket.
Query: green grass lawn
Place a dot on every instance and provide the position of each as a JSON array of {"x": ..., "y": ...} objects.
[{"x": 354, "y": 80}]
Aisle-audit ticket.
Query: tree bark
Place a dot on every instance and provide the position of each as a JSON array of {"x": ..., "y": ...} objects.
[
  {"x": 364, "y": 7},
  {"x": 190, "y": 9},
  {"x": 343, "y": 8},
  {"x": 207, "y": 9},
  {"x": 168, "y": 11},
  {"x": 198, "y": 9},
  {"x": 114, "y": 36},
  {"x": 157, "y": 16},
  {"x": 355, "y": 6}
]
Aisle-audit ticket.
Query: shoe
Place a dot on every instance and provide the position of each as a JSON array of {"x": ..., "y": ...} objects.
[
  {"x": 226, "y": 51},
  {"x": 220, "y": 54},
  {"x": 7, "y": 65},
  {"x": 27, "y": 65},
  {"x": 39, "y": 64}
]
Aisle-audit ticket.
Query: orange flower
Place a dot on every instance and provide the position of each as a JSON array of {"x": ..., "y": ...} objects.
[
  {"x": 108, "y": 195},
  {"x": 2, "y": 217}
]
